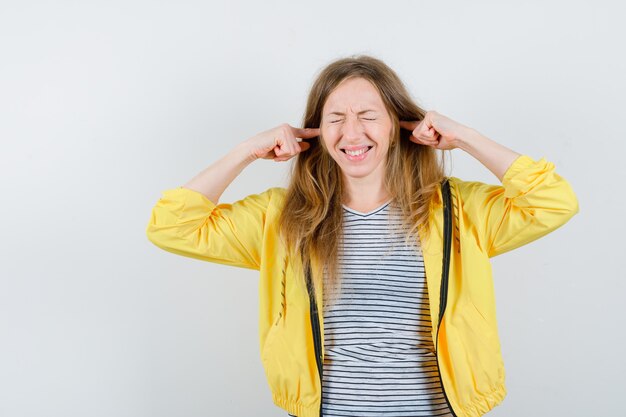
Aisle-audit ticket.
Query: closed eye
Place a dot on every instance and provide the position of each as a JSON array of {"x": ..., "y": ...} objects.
[{"x": 335, "y": 121}]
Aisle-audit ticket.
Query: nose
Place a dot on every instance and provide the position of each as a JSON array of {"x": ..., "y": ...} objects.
[{"x": 352, "y": 128}]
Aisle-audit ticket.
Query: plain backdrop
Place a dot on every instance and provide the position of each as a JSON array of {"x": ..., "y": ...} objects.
[{"x": 105, "y": 104}]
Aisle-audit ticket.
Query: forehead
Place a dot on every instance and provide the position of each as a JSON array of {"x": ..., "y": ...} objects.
[{"x": 355, "y": 93}]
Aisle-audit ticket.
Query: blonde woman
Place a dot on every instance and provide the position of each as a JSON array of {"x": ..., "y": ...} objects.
[{"x": 376, "y": 295}]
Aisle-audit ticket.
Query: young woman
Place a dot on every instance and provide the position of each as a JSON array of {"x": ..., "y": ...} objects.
[{"x": 376, "y": 295}]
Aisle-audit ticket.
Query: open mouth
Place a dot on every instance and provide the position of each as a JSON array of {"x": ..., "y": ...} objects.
[{"x": 357, "y": 152}]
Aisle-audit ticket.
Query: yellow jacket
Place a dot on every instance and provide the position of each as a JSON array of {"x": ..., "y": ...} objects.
[{"x": 488, "y": 220}]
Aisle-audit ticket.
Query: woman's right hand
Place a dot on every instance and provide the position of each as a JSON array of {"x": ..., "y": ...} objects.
[{"x": 280, "y": 143}]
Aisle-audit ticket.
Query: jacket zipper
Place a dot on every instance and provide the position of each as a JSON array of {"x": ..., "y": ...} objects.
[
  {"x": 315, "y": 325},
  {"x": 445, "y": 269}
]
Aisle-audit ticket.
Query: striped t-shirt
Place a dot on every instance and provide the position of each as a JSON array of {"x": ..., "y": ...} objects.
[{"x": 379, "y": 354}]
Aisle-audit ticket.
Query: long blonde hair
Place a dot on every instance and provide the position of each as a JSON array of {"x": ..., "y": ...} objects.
[{"x": 312, "y": 218}]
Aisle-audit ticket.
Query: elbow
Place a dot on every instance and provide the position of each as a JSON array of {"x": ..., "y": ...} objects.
[
  {"x": 574, "y": 208},
  {"x": 570, "y": 206},
  {"x": 160, "y": 229},
  {"x": 151, "y": 235},
  {"x": 154, "y": 236},
  {"x": 159, "y": 236}
]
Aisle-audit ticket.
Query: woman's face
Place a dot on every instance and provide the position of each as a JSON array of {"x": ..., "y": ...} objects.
[{"x": 356, "y": 129}]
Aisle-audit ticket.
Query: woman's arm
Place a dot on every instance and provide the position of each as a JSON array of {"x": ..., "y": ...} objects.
[
  {"x": 532, "y": 201},
  {"x": 443, "y": 133},
  {"x": 213, "y": 180},
  {"x": 497, "y": 158},
  {"x": 279, "y": 144},
  {"x": 188, "y": 221}
]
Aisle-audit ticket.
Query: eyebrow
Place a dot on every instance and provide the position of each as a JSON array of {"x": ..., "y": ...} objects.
[{"x": 337, "y": 113}]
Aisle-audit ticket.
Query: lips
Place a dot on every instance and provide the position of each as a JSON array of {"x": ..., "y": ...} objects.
[
  {"x": 356, "y": 148},
  {"x": 357, "y": 156}
]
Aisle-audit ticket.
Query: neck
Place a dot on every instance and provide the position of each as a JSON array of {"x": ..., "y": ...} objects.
[{"x": 364, "y": 194}]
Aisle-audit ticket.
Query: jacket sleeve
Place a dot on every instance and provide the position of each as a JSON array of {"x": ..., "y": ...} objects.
[
  {"x": 187, "y": 223},
  {"x": 532, "y": 201}
]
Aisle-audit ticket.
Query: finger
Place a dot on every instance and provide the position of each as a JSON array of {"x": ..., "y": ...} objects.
[
  {"x": 304, "y": 146},
  {"x": 408, "y": 125},
  {"x": 306, "y": 133},
  {"x": 422, "y": 141},
  {"x": 282, "y": 158},
  {"x": 429, "y": 141},
  {"x": 279, "y": 151},
  {"x": 269, "y": 155},
  {"x": 427, "y": 134},
  {"x": 288, "y": 148},
  {"x": 292, "y": 149},
  {"x": 423, "y": 131}
]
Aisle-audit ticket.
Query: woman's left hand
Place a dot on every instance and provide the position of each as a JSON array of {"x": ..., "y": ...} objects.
[{"x": 435, "y": 130}]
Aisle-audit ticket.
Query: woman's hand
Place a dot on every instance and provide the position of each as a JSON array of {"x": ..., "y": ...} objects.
[
  {"x": 436, "y": 130},
  {"x": 280, "y": 143}
]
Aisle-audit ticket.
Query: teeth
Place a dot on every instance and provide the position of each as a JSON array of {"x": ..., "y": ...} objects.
[{"x": 356, "y": 153}]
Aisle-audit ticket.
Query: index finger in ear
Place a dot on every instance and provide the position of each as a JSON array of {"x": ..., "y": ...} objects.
[
  {"x": 306, "y": 133},
  {"x": 408, "y": 125}
]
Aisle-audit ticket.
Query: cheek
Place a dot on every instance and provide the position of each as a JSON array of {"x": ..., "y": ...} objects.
[
  {"x": 329, "y": 139},
  {"x": 380, "y": 129}
]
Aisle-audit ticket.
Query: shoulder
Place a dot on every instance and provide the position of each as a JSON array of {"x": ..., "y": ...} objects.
[
  {"x": 275, "y": 195},
  {"x": 277, "y": 192}
]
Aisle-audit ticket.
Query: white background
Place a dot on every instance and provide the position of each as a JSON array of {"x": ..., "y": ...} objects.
[{"x": 105, "y": 104}]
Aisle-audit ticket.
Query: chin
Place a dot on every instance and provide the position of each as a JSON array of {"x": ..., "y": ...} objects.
[{"x": 356, "y": 173}]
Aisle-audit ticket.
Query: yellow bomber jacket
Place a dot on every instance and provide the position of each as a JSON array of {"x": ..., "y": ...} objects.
[{"x": 488, "y": 220}]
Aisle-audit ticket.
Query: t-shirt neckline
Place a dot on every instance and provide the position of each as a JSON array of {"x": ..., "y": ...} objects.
[{"x": 369, "y": 212}]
